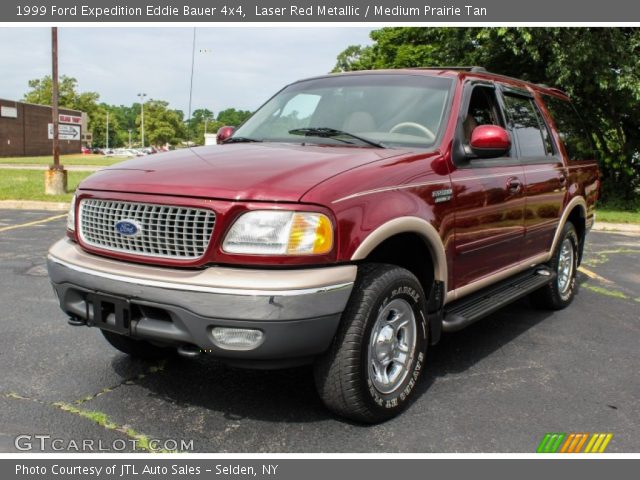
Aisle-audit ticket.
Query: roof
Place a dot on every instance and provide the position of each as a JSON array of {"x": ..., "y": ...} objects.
[
  {"x": 455, "y": 71},
  {"x": 17, "y": 102}
]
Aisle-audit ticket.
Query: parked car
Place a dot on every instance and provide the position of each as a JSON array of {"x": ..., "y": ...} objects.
[
  {"x": 348, "y": 223},
  {"x": 85, "y": 150}
]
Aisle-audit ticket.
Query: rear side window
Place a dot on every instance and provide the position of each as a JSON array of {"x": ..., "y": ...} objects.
[
  {"x": 574, "y": 135},
  {"x": 527, "y": 125}
]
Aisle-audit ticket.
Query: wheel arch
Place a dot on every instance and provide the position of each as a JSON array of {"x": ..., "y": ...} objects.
[
  {"x": 408, "y": 226},
  {"x": 576, "y": 213}
]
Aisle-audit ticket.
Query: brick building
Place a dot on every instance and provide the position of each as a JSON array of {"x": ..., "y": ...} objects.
[{"x": 25, "y": 130}]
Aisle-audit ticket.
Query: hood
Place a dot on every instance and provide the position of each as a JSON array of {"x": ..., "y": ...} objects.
[{"x": 252, "y": 171}]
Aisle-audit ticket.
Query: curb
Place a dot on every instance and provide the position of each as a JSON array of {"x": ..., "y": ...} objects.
[
  {"x": 69, "y": 168},
  {"x": 617, "y": 227},
  {"x": 34, "y": 205}
]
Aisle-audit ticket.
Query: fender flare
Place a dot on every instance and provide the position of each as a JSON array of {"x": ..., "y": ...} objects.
[
  {"x": 415, "y": 225},
  {"x": 575, "y": 202}
]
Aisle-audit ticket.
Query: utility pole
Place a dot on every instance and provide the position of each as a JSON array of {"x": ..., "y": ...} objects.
[
  {"x": 142, "y": 95},
  {"x": 55, "y": 180},
  {"x": 129, "y": 138},
  {"x": 107, "y": 130}
]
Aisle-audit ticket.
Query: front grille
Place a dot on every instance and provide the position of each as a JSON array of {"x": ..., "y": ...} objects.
[{"x": 164, "y": 231}]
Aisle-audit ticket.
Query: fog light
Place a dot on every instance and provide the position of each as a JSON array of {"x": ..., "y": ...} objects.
[{"x": 236, "y": 338}]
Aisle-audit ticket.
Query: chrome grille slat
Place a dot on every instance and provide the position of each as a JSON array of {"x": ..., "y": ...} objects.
[{"x": 167, "y": 231}]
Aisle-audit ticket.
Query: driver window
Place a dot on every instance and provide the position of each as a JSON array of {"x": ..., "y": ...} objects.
[{"x": 483, "y": 110}]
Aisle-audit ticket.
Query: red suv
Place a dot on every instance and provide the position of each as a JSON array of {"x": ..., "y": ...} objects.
[{"x": 347, "y": 223}]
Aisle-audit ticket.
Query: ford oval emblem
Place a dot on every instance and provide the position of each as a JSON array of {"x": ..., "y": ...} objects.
[{"x": 128, "y": 228}]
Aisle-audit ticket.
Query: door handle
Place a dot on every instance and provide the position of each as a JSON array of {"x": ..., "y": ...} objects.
[{"x": 514, "y": 185}]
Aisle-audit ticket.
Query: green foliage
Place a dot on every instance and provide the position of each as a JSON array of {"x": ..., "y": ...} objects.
[
  {"x": 98, "y": 125},
  {"x": 617, "y": 216},
  {"x": 162, "y": 125},
  {"x": 126, "y": 118},
  {"x": 68, "y": 97},
  {"x": 232, "y": 117},
  {"x": 29, "y": 185},
  {"x": 597, "y": 67},
  {"x": 202, "y": 121}
]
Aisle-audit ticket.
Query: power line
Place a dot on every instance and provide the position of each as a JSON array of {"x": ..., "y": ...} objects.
[{"x": 193, "y": 61}]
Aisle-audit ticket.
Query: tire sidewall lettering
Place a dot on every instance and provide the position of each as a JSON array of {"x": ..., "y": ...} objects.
[
  {"x": 398, "y": 398},
  {"x": 572, "y": 286}
]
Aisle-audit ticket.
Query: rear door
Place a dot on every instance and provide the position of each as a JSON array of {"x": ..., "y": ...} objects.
[
  {"x": 488, "y": 195},
  {"x": 545, "y": 175}
]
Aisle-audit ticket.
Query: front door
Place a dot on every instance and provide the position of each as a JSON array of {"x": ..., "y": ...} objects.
[{"x": 489, "y": 198}]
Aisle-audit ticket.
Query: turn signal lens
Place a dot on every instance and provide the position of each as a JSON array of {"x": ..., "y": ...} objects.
[{"x": 311, "y": 233}]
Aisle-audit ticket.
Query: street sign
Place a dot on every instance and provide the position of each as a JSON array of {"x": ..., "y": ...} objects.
[
  {"x": 64, "y": 118},
  {"x": 65, "y": 132},
  {"x": 10, "y": 112}
]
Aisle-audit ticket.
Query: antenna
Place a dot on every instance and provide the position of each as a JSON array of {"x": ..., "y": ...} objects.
[{"x": 193, "y": 60}]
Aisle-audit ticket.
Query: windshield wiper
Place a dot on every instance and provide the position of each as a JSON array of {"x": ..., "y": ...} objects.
[
  {"x": 241, "y": 140},
  {"x": 326, "y": 132}
]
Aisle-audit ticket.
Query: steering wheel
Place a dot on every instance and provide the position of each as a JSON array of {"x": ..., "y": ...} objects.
[{"x": 416, "y": 126}]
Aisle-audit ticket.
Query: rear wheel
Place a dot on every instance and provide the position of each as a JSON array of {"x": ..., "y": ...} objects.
[
  {"x": 372, "y": 367},
  {"x": 560, "y": 293},
  {"x": 137, "y": 348}
]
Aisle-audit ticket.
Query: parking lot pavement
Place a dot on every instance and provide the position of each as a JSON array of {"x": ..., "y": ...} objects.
[{"x": 497, "y": 386}]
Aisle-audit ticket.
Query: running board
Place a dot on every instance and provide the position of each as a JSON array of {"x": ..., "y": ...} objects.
[{"x": 464, "y": 312}]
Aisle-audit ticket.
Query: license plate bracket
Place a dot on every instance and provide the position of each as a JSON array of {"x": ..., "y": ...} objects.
[{"x": 109, "y": 313}]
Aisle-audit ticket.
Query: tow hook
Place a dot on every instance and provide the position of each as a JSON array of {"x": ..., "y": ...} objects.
[
  {"x": 189, "y": 350},
  {"x": 76, "y": 321}
]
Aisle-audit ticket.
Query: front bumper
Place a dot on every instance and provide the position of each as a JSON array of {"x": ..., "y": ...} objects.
[{"x": 298, "y": 311}]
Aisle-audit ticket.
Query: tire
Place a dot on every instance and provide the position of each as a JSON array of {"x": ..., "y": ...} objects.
[
  {"x": 371, "y": 381},
  {"x": 137, "y": 348},
  {"x": 560, "y": 293}
]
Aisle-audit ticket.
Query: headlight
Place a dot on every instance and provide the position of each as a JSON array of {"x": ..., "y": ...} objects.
[
  {"x": 268, "y": 232},
  {"x": 71, "y": 216}
]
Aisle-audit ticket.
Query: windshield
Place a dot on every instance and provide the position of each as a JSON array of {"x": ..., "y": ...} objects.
[{"x": 375, "y": 110}]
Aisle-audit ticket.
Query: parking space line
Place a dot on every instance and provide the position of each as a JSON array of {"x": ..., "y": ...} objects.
[
  {"x": 593, "y": 275},
  {"x": 30, "y": 224}
]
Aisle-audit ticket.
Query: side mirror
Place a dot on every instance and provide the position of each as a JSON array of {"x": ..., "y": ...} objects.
[
  {"x": 489, "y": 141},
  {"x": 224, "y": 133}
]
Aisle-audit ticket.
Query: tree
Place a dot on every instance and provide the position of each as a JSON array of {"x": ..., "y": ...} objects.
[
  {"x": 99, "y": 129},
  {"x": 233, "y": 117},
  {"x": 201, "y": 119},
  {"x": 126, "y": 120},
  {"x": 597, "y": 67},
  {"x": 41, "y": 92},
  {"x": 162, "y": 125}
]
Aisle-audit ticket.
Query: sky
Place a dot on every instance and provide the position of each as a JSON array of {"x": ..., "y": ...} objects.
[{"x": 234, "y": 67}]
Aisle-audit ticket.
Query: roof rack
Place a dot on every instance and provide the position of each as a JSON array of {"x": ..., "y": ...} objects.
[
  {"x": 477, "y": 69},
  {"x": 474, "y": 68}
]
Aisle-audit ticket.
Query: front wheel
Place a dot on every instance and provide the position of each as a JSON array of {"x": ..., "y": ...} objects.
[
  {"x": 560, "y": 293},
  {"x": 371, "y": 369}
]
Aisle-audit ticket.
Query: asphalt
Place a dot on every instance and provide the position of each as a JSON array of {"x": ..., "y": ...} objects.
[{"x": 498, "y": 386}]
